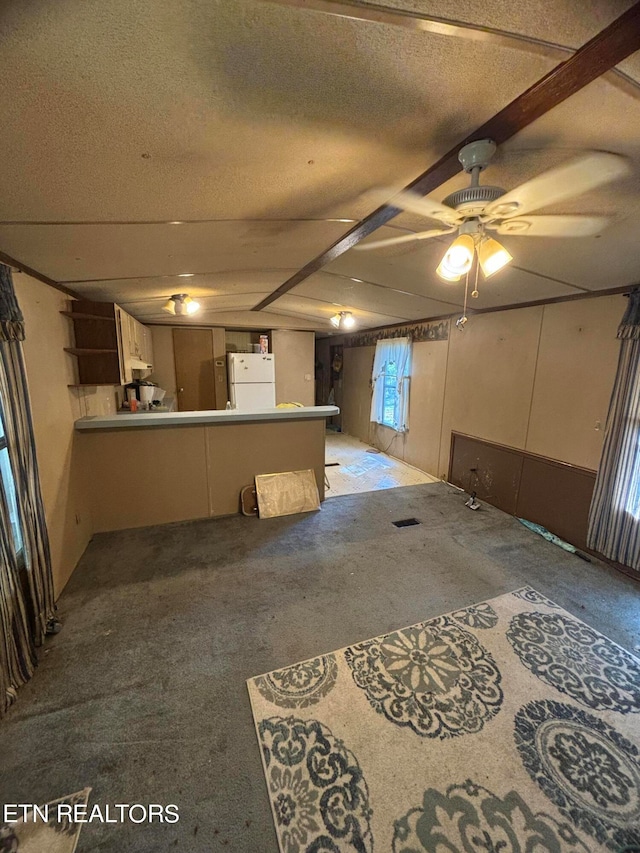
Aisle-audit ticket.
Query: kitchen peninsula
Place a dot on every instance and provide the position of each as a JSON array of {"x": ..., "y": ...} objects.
[{"x": 154, "y": 468}]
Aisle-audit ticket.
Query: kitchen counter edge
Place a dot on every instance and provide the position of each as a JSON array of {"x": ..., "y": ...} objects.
[{"x": 224, "y": 416}]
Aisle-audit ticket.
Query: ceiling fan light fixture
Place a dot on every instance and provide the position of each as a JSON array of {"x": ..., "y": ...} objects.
[
  {"x": 181, "y": 303},
  {"x": 457, "y": 259},
  {"x": 492, "y": 256},
  {"x": 444, "y": 273},
  {"x": 343, "y": 320}
]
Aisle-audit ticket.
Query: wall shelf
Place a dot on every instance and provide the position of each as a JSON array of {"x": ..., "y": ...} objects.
[
  {"x": 87, "y": 351},
  {"x": 77, "y": 315}
]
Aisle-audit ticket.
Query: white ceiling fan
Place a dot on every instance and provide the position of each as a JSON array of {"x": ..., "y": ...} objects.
[{"x": 477, "y": 210}]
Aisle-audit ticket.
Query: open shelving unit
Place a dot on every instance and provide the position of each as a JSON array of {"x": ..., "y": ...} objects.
[{"x": 96, "y": 343}]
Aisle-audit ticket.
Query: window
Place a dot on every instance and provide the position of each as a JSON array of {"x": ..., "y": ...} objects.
[
  {"x": 9, "y": 487},
  {"x": 390, "y": 383},
  {"x": 390, "y": 396}
]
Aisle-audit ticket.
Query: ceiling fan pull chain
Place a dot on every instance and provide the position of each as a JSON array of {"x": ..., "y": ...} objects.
[
  {"x": 475, "y": 293},
  {"x": 461, "y": 321}
]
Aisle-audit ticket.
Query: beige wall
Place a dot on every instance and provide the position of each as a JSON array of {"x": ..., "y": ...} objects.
[
  {"x": 295, "y": 366},
  {"x": 164, "y": 367},
  {"x": 489, "y": 380},
  {"x": 157, "y": 475},
  {"x": 428, "y": 375},
  {"x": 574, "y": 377},
  {"x": 356, "y": 406},
  {"x": 146, "y": 476},
  {"x": 237, "y": 452},
  {"x": 55, "y": 407},
  {"x": 535, "y": 378}
]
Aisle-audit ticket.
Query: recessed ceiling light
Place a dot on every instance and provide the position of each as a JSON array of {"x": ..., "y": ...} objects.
[
  {"x": 186, "y": 275},
  {"x": 359, "y": 280}
]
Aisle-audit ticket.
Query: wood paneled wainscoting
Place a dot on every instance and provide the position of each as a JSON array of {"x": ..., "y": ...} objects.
[{"x": 554, "y": 494}]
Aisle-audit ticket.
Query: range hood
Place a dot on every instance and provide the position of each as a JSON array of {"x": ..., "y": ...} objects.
[{"x": 137, "y": 364}]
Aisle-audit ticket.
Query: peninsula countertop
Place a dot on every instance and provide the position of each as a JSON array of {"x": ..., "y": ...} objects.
[{"x": 142, "y": 420}]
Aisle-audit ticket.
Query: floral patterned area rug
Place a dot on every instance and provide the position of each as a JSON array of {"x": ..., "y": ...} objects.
[
  {"x": 506, "y": 726},
  {"x": 37, "y": 836}
]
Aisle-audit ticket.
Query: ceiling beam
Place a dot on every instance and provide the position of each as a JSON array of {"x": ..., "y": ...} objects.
[{"x": 603, "y": 52}]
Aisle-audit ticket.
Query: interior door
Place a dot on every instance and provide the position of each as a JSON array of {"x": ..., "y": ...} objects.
[{"x": 195, "y": 378}]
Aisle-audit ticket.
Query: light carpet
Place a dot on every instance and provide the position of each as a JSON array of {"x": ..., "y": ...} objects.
[{"x": 509, "y": 725}]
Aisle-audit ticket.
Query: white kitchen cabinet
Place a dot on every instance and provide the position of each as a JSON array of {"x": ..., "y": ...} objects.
[
  {"x": 124, "y": 354},
  {"x": 147, "y": 345},
  {"x": 135, "y": 338},
  {"x": 135, "y": 347}
]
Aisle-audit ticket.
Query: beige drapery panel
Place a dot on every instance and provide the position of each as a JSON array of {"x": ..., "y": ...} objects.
[{"x": 27, "y": 598}]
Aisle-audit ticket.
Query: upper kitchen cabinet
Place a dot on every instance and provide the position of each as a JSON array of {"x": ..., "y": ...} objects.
[
  {"x": 112, "y": 348},
  {"x": 147, "y": 344}
]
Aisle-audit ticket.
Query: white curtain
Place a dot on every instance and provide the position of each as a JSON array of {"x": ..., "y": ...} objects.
[{"x": 396, "y": 351}]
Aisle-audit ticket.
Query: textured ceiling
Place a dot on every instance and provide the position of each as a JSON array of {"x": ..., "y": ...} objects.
[
  {"x": 268, "y": 124},
  {"x": 564, "y": 22}
]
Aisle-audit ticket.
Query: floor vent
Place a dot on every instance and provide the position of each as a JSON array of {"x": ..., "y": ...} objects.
[{"x": 405, "y": 522}]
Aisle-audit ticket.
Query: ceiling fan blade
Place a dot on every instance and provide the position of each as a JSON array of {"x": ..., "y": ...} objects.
[
  {"x": 565, "y": 181},
  {"x": 551, "y": 226},
  {"x": 407, "y": 238},
  {"x": 414, "y": 203}
]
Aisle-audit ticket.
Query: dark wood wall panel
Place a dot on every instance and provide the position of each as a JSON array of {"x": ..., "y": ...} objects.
[
  {"x": 490, "y": 470},
  {"x": 542, "y": 490},
  {"x": 558, "y": 497}
]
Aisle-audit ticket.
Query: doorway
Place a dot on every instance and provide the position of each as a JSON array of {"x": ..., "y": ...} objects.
[{"x": 195, "y": 377}]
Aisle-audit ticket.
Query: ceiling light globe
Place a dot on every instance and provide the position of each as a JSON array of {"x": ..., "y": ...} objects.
[
  {"x": 492, "y": 256},
  {"x": 445, "y": 274},
  {"x": 335, "y": 320},
  {"x": 459, "y": 255},
  {"x": 348, "y": 320},
  {"x": 193, "y": 307}
]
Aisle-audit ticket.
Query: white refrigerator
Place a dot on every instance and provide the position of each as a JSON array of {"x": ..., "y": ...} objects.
[{"x": 252, "y": 381}]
